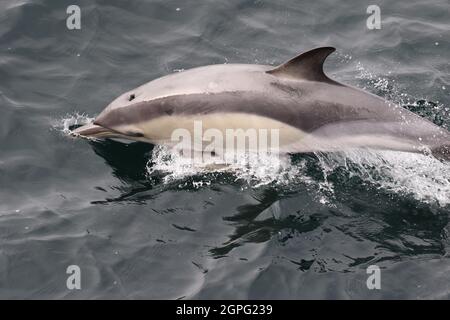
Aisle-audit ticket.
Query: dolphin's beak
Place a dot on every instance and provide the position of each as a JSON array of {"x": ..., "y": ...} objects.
[{"x": 94, "y": 131}]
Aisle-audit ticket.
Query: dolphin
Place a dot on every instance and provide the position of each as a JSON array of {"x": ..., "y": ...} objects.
[{"x": 312, "y": 112}]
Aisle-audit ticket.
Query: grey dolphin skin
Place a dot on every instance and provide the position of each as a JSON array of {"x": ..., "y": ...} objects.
[{"x": 311, "y": 111}]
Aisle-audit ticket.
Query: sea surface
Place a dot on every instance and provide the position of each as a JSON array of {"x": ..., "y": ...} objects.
[{"x": 141, "y": 223}]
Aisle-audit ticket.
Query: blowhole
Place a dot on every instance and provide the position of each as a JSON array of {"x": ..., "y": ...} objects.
[{"x": 132, "y": 96}]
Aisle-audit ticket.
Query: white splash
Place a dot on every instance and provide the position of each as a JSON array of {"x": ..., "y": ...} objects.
[
  {"x": 72, "y": 120},
  {"x": 256, "y": 170},
  {"x": 424, "y": 177}
]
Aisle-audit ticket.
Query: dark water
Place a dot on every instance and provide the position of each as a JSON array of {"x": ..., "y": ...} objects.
[{"x": 139, "y": 227}]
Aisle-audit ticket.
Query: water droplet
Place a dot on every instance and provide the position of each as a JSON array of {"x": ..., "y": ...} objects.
[
  {"x": 436, "y": 43},
  {"x": 178, "y": 9}
]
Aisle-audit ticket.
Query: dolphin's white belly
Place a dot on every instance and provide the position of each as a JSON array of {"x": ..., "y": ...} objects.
[{"x": 258, "y": 132}]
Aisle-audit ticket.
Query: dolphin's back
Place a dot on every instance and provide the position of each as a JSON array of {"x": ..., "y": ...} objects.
[{"x": 202, "y": 80}]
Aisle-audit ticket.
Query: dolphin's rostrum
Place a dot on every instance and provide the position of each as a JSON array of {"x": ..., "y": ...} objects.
[{"x": 311, "y": 111}]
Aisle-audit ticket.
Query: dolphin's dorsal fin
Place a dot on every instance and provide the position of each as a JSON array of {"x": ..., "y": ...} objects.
[{"x": 308, "y": 65}]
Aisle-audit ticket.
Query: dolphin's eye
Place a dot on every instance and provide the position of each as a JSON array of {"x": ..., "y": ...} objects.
[{"x": 131, "y": 97}]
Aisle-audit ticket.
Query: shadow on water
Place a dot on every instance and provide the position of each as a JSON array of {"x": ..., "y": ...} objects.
[
  {"x": 128, "y": 163},
  {"x": 128, "y": 160},
  {"x": 260, "y": 222}
]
